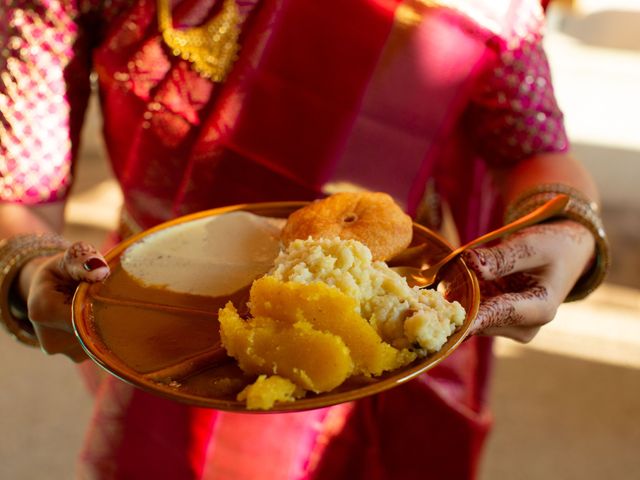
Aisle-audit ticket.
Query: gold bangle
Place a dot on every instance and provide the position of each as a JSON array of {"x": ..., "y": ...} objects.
[
  {"x": 579, "y": 209},
  {"x": 15, "y": 252}
]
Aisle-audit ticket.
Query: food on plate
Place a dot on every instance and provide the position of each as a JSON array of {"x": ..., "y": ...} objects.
[
  {"x": 300, "y": 317},
  {"x": 403, "y": 316},
  {"x": 309, "y": 333},
  {"x": 266, "y": 391},
  {"x": 315, "y": 360},
  {"x": 327, "y": 311},
  {"x": 372, "y": 218},
  {"x": 199, "y": 259}
]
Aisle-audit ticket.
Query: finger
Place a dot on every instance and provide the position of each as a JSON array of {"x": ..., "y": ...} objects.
[
  {"x": 517, "y": 333},
  {"x": 50, "y": 302},
  {"x": 516, "y": 315},
  {"x": 514, "y": 255},
  {"x": 50, "y": 315},
  {"x": 54, "y": 341},
  {"x": 83, "y": 262}
]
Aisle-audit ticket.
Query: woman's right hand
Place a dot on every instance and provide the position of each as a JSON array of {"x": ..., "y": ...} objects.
[{"x": 52, "y": 282}]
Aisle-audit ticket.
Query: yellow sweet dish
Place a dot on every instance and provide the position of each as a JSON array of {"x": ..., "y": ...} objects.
[
  {"x": 312, "y": 359},
  {"x": 327, "y": 311},
  {"x": 266, "y": 391}
]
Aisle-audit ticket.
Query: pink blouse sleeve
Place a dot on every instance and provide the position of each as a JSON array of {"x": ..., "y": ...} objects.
[
  {"x": 44, "y": 87},
  {"x": 514, "y": 113}
]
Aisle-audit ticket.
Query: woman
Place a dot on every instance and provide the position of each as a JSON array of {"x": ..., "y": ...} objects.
[{"x": 421, "y": 99}]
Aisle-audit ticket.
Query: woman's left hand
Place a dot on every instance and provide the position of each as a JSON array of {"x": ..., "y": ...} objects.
[{"x": 525, "y": 278}]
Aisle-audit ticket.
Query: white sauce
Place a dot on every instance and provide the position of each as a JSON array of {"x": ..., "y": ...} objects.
[{"x": 213, "y": 256}]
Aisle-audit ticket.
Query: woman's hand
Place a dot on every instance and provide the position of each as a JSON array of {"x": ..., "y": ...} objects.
[
  {"x": 526, "y": 277},
  {"x": 52, "y": 282}
]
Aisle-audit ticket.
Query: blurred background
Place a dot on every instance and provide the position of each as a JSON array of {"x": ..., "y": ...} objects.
[{"x": 566, "y": 406}]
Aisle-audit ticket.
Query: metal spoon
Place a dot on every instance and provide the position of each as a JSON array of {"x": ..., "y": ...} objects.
[{"x": 425, "y": 277}]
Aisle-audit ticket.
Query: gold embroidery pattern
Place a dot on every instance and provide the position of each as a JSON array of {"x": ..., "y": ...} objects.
[{"x": 211, "y": 48}]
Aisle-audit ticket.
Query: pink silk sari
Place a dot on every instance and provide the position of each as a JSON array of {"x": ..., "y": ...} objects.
[{"x": 386, "y": 94}]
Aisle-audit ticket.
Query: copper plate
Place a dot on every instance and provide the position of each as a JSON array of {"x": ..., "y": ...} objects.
[{"x": 168, "y": 343}]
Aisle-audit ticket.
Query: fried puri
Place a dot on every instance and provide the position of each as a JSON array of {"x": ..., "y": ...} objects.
[{"x": 372, "y": 218}]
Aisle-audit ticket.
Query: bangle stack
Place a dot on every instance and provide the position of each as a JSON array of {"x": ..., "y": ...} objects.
[
  {"x": 581, "y": 210},
  {"x": 15, "y": 252}
]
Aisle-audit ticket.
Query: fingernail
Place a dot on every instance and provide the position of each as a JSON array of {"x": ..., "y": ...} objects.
[{"x": 93, "y": 264}]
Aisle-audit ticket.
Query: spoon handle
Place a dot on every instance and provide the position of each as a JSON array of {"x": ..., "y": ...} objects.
[{"x": 543, "y": 212}]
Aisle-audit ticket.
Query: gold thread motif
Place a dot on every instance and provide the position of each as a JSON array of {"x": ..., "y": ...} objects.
[{"x": 211, "y": 48}]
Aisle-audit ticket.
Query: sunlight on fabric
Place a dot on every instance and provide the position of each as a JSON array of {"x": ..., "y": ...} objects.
[
  {"x": 411, "y": 12},
  {"x": 604, "y": 328}
]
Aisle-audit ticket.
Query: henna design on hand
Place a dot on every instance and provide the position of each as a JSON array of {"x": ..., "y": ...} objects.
[
  {"x": 499, "y": 261},
  {"x": 79, "y": 250},
  {"x": 501, "y": 295},
  {"x": 524, "y": 300},
  {"x": 498, "y": 312},
  {"x": 81, "y": 260},
  {"x": 567, "y": 228}
]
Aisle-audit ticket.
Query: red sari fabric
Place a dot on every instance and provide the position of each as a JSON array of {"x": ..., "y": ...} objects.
[{"x": 386, "y": 94}]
